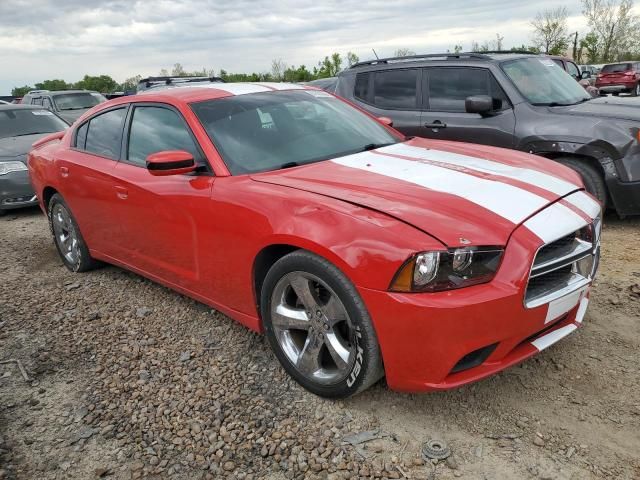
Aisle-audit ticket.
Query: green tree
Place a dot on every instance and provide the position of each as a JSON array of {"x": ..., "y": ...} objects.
[
  {"x": 102, "y": 83},
  {"x": 403, "y": 52},
  {"x": 330, "y": 66},
  {"x": 615, "y": 25},
  {"x": 20, "y": 91},
  {"x": 590, "y": 44},
  {"x": 55, "y": 84},
  {"x": 352, "y": 59},
  {"x": 130, "y": 83},
  {"x": 550, "y": 31}
]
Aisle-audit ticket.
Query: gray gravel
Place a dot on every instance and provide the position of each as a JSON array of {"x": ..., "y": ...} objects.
[{"x": 130, "y": 380}]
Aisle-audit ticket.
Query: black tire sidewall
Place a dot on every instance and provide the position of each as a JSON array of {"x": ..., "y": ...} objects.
[
  {"x": 368, "y": 365},
  {"x": 84, "y": 261},
  {"x": 593, "y": 181}
]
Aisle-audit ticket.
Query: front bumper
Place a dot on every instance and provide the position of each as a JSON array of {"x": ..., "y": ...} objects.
[
  {"x": 426, "y": 338},
  {"x": 16, "y": 191}
]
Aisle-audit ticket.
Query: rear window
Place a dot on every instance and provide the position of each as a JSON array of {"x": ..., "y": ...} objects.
[
  {"x": 21, "y": 122},
  {"x": 76, "y": 101},
  {"x": 616, "y": 67}
]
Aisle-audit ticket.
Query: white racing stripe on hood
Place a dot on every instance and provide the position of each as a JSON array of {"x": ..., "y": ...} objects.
[
  {"x": 512, "y": 203},
  {"x": 554, "y": 222},
  {"x": 542, "y": 180},
  {"x": 585, "y": 203}
]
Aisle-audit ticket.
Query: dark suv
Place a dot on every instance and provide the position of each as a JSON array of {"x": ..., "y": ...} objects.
[{"x": 512, "y": 100}]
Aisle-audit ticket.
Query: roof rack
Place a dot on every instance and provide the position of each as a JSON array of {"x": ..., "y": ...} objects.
[
  {"x": 149, "y": 81},
  {"x": 517, "y": 52},
  {"x": 431, "y": 56}
]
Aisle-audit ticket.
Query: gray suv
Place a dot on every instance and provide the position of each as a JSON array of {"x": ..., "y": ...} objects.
[
  {"x": 68, "y": 104},
  {"x": 512, "y": 100}
]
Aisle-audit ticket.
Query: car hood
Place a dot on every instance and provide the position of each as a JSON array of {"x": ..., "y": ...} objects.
[
  {"x": 604, "y": 109},
  {"x": 18, "y": 146},
  {"x": 458, "y": 193}
]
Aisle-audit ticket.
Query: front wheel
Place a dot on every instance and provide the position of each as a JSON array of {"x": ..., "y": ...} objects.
[
  {"x": 318, "y": 326},
  {"x": 636, "y": 91},
  {"x": 593, "y": 181}
]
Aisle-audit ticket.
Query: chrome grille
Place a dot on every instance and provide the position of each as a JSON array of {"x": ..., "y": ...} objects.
[{"x": 564, "y": 265}]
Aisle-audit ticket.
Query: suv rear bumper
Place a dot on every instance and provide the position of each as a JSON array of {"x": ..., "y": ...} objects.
[{"x": 616, "y": 88}]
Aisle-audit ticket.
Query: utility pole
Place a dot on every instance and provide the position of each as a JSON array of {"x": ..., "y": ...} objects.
[{"x": 575, "y": 46}]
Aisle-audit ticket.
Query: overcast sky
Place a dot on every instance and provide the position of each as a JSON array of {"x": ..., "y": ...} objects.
[{"x": 42, "y": 39}]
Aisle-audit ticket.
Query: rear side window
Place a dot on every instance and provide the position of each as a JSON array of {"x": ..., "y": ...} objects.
[
  {"x": 361, "y": 89},
  {"x": 104, "y": 134},
  {"x": 395, "y": 89},
  {"x": 616, "y": 67},
  {"x": 155, "y": 129},
  {"x": 449, "y": 87},
  {"x": 81, "y": 136}
]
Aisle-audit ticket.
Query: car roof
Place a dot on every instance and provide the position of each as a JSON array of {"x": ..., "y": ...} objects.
[{"x": 194, "y": 93}]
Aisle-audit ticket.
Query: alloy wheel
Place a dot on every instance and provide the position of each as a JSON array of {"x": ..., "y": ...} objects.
[
  {"x": 313, "y": 328},
  {"x": 65, "y": 233}
]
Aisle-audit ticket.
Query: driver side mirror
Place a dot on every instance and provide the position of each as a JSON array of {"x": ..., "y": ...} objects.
[
  {"x": 482, "y": 104},
  {"x": 170, "y": 162},
  {"x": 386, "y": 121},
  {"x": 585, "y": 75}
]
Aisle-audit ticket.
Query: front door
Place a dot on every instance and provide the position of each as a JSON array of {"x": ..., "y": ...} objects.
[
  {"x": 444, "y": 117},
  {"x": 160, "y": 217}
]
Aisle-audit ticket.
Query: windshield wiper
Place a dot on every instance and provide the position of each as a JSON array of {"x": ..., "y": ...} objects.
[
  {"x": 288, "y": 165},
  {"x": 558, "y": 104},
  {"x": 373, "y": 146},
  {"x": 30, "y": 133}
]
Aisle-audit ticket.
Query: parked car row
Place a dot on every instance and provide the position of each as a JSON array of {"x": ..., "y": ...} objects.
[{"x": 511, "y": 100}]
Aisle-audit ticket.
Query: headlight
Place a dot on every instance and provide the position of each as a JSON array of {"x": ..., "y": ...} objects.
[
  {"x": 8, "y": 167},
  {"x": 447, "y": 269}
]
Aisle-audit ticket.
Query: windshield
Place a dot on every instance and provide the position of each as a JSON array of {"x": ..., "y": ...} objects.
[
  {"x": 267, "y": 131},
  {"x": 21, "y": 122},
  {"x": 616, "y": 68},
  {"x": 77, "y": 101},
  {"x": 542, "y": 82}
]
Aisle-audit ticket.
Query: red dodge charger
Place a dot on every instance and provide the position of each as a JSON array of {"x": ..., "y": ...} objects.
[{"x": 359, "y": 252}]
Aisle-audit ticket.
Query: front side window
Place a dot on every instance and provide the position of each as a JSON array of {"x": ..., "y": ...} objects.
[
  {"x": 156, "y": 129},
  {"x": 542, "y": 82},
  {"x": 572, "y": 69},
  {"x": 104, "y": 134},
  {"x": 268, "y": 131},
  {"x": 27, "y": 121},
  {"x": 450, "y": 87},
  {"x": 395, "y": 89}
]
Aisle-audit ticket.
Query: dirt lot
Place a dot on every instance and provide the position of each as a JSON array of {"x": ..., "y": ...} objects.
[{"x": 128, "y": 379}]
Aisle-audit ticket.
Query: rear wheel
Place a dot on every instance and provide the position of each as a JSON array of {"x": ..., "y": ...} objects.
[
  {"x": 67, "y": 237},
  {"x": 318, "y": 326},
  {"x": 593, "y": 181}
]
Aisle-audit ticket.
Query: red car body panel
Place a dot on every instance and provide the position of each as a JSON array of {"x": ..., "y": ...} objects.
[{"x": 201, "y": 235}]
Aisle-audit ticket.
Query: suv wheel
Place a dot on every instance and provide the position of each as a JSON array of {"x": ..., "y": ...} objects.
[
  {"x": 591, "y": 177},
  {"x": 318, "y": 326},
  {"x": 636, "y": 91}
]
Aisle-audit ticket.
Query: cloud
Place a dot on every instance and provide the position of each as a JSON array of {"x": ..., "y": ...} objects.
[{"x": 69, "y": 38}]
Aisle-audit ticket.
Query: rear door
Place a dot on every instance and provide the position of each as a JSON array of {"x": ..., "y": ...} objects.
[
  {"x": 85, "y": 177},
  {"x": 444, "y": 117},
  {"x": 392, "y": 93},
  {"x": 160, "y": 217}
]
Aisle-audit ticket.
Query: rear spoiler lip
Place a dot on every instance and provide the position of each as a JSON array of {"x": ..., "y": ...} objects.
[{"x": 48, "y": 138}]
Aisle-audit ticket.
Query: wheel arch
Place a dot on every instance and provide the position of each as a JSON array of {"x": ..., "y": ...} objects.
[{"x": 47, "y": 193}]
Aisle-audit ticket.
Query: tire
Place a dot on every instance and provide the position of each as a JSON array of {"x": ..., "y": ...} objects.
[
  {"x": 635, "y": 92},
  {"x": 67, "y": 238},
  {"x": 615, "y": 94},
  {"x": 593, "y": 181},
  {"x": 332, "y": 352}
]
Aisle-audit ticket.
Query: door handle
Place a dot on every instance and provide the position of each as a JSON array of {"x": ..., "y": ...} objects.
[
  {"x": 436, "y": 124},
  {"x": 121, "y": 192},
  {"x": 64, "y": 172}
]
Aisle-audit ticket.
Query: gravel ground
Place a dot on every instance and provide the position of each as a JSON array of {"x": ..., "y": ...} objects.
[{"x": 128, "y": 379}]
